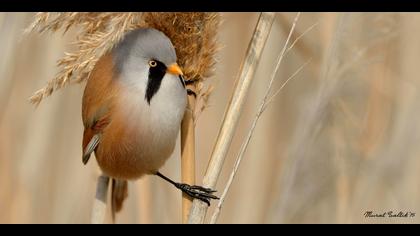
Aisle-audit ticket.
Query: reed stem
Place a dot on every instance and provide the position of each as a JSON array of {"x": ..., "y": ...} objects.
[
  {"x": 99, "y": 205},
  {"x": 234, "y": 110},
  {"x": 188, "y": 154}
]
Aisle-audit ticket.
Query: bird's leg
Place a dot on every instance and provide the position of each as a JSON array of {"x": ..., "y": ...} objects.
[
  {"x": 189, "y": 82},
  {"x": 194, "y": 191},
  {"x": 190, "y": 92}
]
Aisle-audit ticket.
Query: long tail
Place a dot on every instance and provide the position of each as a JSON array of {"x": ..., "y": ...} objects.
[{"x": 119, "y": 192}]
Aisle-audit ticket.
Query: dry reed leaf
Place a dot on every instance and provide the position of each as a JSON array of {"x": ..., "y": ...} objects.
[{"x": 193, "y": 35}]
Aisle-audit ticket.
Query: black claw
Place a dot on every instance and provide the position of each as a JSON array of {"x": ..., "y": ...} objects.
[
  {"x": 198, "y": 192},
  {"x": 190, "y": 92},
  {"x": 206, "y": 201},
  {"x": 207, "y": 190}
]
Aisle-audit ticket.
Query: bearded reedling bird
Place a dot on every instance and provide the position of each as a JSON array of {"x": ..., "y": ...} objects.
[{"x": 132, "y": 109}]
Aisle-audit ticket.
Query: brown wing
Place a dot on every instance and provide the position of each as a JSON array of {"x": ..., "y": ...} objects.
[
  {"x": 92, "y": 137},
  {"x": 96, "y": 106}
]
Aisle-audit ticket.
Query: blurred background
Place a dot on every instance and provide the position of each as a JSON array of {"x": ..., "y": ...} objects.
[{"x": 342, "y": 137}]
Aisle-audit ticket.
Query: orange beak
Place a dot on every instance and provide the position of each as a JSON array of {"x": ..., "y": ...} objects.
[{"x": 174, "y": 69}]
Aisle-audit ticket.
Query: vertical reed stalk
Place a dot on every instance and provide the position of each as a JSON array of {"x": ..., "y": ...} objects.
[
  {"x": 99, "y": 205},
  {"x": 234, "y": 110},
  {"x": 187, "y": 154}
]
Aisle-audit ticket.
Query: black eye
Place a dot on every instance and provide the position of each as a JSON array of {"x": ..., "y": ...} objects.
[{"x": 152, "y": 63}]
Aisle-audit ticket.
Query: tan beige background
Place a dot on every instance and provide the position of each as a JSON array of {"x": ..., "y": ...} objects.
[{"x": 342, "y": 138}]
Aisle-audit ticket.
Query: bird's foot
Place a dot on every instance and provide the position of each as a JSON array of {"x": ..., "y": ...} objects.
[
  {"x": 198, "y": 192},
  {"x": 190, "y": 92},
  {"x": 191, "y": 81}
]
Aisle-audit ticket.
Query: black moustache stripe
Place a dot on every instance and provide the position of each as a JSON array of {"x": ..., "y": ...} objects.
[{"x": 156, "y": 75}]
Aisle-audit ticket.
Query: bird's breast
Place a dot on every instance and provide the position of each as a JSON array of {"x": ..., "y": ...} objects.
[{"x": 142, "y": 136}]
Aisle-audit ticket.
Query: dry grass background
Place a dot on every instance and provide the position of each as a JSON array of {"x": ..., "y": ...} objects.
[{"x": 342, "y": 138}]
